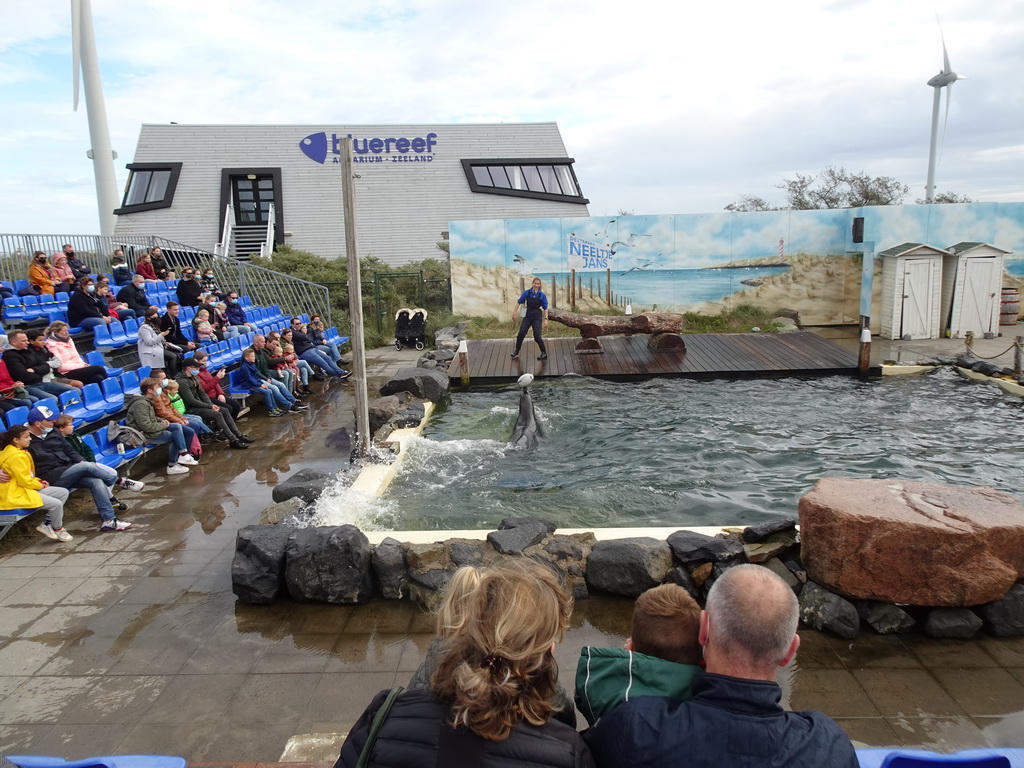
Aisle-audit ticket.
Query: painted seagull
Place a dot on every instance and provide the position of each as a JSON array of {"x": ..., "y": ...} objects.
[
  {"x": 520, "y": 261},
  {"x": 649, "y": 264},
  {"x": 604, "y": 232},
  {"x": 628, "y": 242}
]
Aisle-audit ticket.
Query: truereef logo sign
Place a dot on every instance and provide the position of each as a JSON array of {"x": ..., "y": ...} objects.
[
  {"x": 585, "y": 254},
  {"x": 418, "y": 150}
]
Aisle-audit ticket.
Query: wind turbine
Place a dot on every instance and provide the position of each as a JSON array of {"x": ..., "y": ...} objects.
[
  {"x": 84, "y": 59},
  {"x": 944, "y": 79}
]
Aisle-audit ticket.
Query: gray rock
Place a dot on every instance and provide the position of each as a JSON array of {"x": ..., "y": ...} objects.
[
  {"x": 428, "y": 364},
  {"x": 435, "y": 580},
  {"x": 681, "y": 576},
  {"x": 965, "y": 360},
  {"x": 1005, "y": 617},
  {"x": 514, "y": 522},
  {"x": 329, "y": 564},
  {"x": 887, "y": 619},
  {"x": 257, "y": 571},
  {"x": 419, "y": 382},
  {"x": 466, "y": 552},
  {"x": 306, "y": 484},
  {"x": 691, "y": 547},
  {"x": 753, "y": 534},
  {"x": 409, "y": 415},
  {"x": 628, "y": 567},
  {"x": 389, "y": 567},
  {"x": 987, "y": 368},
  {"x": 381, "y": 410},
  {"x": 820, "y": 609},
  {"x": 779, "y": 569},
  {"x": 956, "y": 623},
  {"x": 512, "y": 541},
  {"x": 564, "y": 548},
  {"x": 275, "y": 513}
]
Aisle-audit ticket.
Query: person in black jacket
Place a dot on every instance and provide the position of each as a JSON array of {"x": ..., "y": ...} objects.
[
  {"x": 172, "y": 324},
  {"x": 198, "y": 402},
  {"x": 748, "y": 631},
  {"x": 189, "y": 290},
  {"x": 496, "y": 678},
  {"x": 31, "y": 367},
  {"x": 307, "y": 350},
  {"x": 162, "y": 267},
  {"x": 85, "y": 308},
  {"x": 134, "y": 295},
  {"x": 78, "y": 267}
]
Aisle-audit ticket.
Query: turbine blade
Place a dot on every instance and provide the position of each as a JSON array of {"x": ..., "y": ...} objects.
[
  {"x": 76, "y": 54},
  {"x": 945, "y": 56}
]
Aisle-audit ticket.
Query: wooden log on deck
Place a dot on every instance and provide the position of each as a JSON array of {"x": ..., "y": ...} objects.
[{"x": 663, "y": 328}]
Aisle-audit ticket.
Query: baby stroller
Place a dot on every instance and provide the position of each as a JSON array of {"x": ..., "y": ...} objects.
[{"x": 411, "y": 328}]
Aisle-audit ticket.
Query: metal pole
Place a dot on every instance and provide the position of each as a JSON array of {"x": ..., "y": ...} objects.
[
  {"x": 572, "y": 289},
  {"x": 1018, "y": 354},
  {"x": 864, "y": 359},
  {"x": 355, "y": 302},
  {"x": 608, "y": 286}
]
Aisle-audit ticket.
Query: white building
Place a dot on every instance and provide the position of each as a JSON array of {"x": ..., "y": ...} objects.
[{"x": 412, "y": 180}]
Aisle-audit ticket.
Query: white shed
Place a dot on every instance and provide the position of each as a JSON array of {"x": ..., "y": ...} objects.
[
  {"x": 972, "y": 275},
  {"x": 911, "y": 289}
]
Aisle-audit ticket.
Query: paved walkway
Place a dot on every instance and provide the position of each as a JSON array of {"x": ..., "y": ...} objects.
[{"x": 133, "y": 642}]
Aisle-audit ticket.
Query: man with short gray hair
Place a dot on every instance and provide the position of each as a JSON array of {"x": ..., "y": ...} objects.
[{"x": 748, "y": 631}]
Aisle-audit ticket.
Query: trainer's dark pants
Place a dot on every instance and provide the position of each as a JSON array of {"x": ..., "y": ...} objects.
[{"x": 534, "y": 319}]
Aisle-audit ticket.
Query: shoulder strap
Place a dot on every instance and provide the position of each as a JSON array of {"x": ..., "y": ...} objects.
[{"x": 378, "y": 721}]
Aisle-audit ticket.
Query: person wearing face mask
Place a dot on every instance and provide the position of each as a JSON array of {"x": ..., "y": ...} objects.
[
  {"x": 189, "y": 290},
  {"x": 154, "y": 350},
  {"x": 142, "y": 416},
  {"x": 42, "y": 275},
  {"x": 210, "y": 286},
  {"x": 198, "y": 402},
  {"x": 78, "y": 267},
  {"x": 211, "y": 384},
  {"x": 59, "y": 464},
  {"x": 85, "y": 308},
  {"x": 119, "y": 269},
  {"x": 162, "y": 268},
  {"x": 72, "y": 366},
  {"x": 134, "y": 296},
  {"x": 64, "y": 274},
  {"x": 236, "y": 315}
]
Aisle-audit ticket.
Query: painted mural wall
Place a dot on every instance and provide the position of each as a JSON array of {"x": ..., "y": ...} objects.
[{"x": 801, "y": 260}]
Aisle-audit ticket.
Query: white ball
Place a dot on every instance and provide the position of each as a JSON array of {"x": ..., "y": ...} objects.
[{"x": 525, "y": 380}]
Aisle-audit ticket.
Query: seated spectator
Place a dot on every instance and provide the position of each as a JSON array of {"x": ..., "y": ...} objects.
[
  {"x": 305, "y": 349},
  {"x": 209, "y": 284},
  {"x": 119, "y": 269},
  {"x": 267, "y": 364},
  {"x": 78, "y": 267},
  {"x": 116, "y": 308},
  {"x": 37, "y": 342},
  {"x": 165, "y": 410},
  {"x": 154, "y": 349},
  {"x": 188, "y": 289},
  {"x": 236, "y": 315},
  {"x": 163, "y": 268},
  {"x": 203, "y": 432},
  {"x": 29, "y": 364},
  {"x": 210, "y": 383},
  {"x": 12, "y": 393},
  {"x": 170, "y": 323},
  {"x": 72, "y": 366},
  {"x": 64, "y": 274},
  {"x": 272, "y": 392},
  {"x": 66, "y": 426},
  {"x": 300, "y": 368},
  {"x": 58, "y": 463},
  {"x": 142, "y": 416},
  {"x": 204, "y": 332},
  {"x": 42, "y": 275},
  {"x": 315, "y": 331},
  {"x": 85, "y": 308},
  {"x": 144, "y": 267},
  {"x": 219, "y": 319},
  {"x": 496, "y": 678},
  {"x": 661, "y": 657},
  {"x": 133, "y": 295},
  {"x": 198, "y": 403},
  {"x": 748, "y": 631},
  {"x": 26, "y": 491}
]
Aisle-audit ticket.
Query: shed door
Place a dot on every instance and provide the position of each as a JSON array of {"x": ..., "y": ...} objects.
[
  {"x": 978, "y": 297},
  {"x": 917, "y": 299}
]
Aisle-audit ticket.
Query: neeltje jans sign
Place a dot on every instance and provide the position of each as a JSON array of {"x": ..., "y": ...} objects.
[{"x": 585, "y": 254}]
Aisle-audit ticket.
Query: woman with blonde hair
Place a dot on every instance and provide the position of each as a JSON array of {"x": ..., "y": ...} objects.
[
  {"x": 491, "y": 697},
  {"x": 42, "y": 275},
  {"x": 72, "y": 366}
]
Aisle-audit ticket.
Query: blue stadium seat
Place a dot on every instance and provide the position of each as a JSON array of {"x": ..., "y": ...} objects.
[
  {"x": 96, "y": 400},
  {"x": 16, "y": 416}
]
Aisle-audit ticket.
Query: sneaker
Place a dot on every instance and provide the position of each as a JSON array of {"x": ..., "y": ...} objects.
[
  {"x": 118, "y": 505},
  {"x": 239, "y": 445},
  {"x": 515, "y": 354},
  {"x": 543, "y": 356},
  {"x": 47, "y": 530},
  {"x": 318, "y": 377},
  {"x": 205, "y": 439},
  {"x": 63, "y": 535},
  {"x": 115, "y": 525},
  {"x": 299, "y": 407},
  {"x": 276, "y": 412},
  {"x": 246, "y": 439},
  {"x": 131, "y": 485},
  {"x": 187, "y": 459},
  {"x": 344, "y": 375},
  {"x": 220, "y": 437},
  {"x": 176, "y": 469}
]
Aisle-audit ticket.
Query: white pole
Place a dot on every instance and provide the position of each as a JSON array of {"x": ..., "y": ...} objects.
[
  {"x": 84, "y": 44},
  {"x": 355, "y": 300},
  {"x": 929, "y": 187}
]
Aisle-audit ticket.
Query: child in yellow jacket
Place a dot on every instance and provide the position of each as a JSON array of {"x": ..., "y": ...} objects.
[{"x": 26, "y": 491}]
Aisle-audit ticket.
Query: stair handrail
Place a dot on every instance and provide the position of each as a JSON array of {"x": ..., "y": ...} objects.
[
  {"x": 267, "y": 248},
  {"x": 221, "y": 249}
]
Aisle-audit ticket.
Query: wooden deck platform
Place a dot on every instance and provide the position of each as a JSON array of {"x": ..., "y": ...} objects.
[{"x": 707, "y": 356}]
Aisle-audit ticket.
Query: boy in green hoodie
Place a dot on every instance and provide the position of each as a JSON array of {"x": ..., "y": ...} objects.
[{"x": 661, "y": 657}]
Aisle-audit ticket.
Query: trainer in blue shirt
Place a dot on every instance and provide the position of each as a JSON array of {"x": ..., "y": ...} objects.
[{"x": 536, "y": 315}]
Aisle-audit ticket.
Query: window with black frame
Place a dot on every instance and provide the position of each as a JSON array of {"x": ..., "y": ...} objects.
[
  {"x": 150, "y": 186},
  {"x": 540, "y": 179}
]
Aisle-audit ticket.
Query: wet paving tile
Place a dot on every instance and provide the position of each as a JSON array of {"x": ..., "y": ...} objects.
[
  {"x": 40, "y": 590},
  {"x": 81, "y": 740},
  {"x": 381, "y": 616},
  {"x": 910, "y": 693},
  {"x": 835, "y": 690},
  {"x": 869, "y": 732},
  {"x": 166, "y": 739},
  {"x": 61, "y": 622},
  {"x": 983, "y": 692},
  {"x": 1008, "y": 651},
  {"x": 940, "y": 734},
  {"x": 25, "y": 657},
  {"x": 366, "y": 653},
  {"x": 155, "y": 590},
  {"x": 957, "y": 654},
  {"x": 154, "y": 656},
  {"x": 870, "y": 651},
  {"x": 297, "y": 653},
  {"x": 98, "y": 591},
  {"x": 22, "y": 739},
  {"x": 220, "y": 655},
  {"x": 315, "y": 619},
  {"x": 194, "y": 699},
  {"x": 15, "y": 619},
  {"x": 271, "y": 699},
  {"x": 44, "y": 699},
  {"x": 343, "y": 697},
  {"x": 1002, "y": 731},
  {"x": 244, "y": 742},
  {"x": 117, "y": 700}
]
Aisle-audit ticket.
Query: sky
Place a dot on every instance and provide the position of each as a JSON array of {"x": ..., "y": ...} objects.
[{"x": 666, "y": 109}]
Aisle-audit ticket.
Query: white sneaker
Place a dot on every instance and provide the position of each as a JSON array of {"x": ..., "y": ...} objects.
[
  {"x": 131, "y": 485},
  {"x": 63, "y": 535},
  {"x": 115, "y": 525},
  {"x": 47, "y": 530},
  {"x": 176, "y": 469},
  {"x": 187, "y": 459}
]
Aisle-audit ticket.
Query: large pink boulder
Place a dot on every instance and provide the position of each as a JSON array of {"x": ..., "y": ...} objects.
[{"x": 915, "y": 543}]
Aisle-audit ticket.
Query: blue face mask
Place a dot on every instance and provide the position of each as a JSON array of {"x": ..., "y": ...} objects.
[
  {"x": 90, "y": 288},
  {"x": 46, "y": 431},
  {"x": 234, "y": 301},
  {"x": 165, "y": 382},
  {"x": 158, "y": 391}
]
